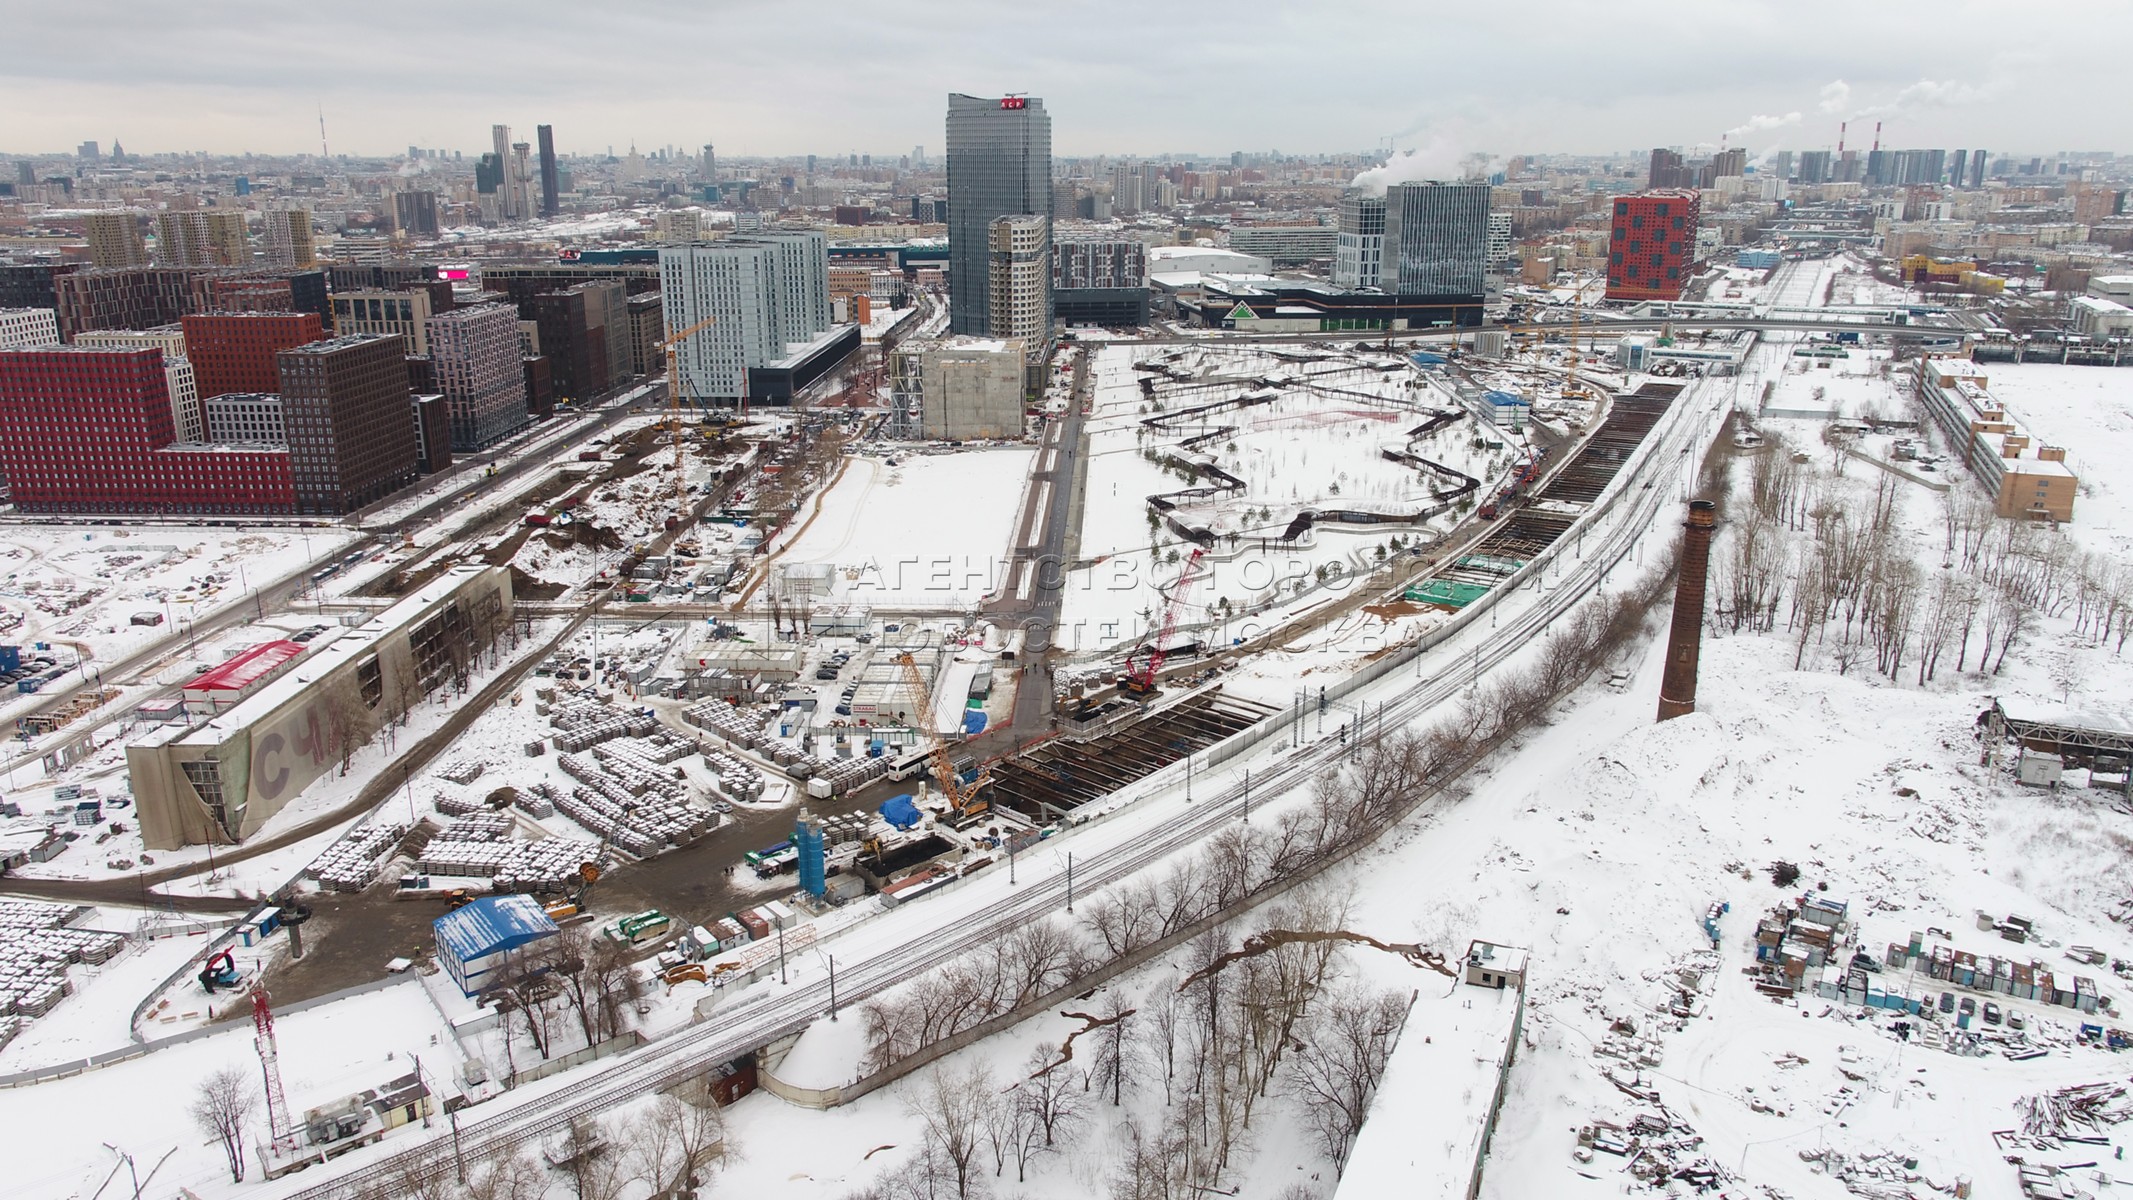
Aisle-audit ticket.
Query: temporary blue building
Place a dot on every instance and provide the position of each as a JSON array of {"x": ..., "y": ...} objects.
[
  {"x": 900, "y": 811},
  {"x": 473, "y": 941}
]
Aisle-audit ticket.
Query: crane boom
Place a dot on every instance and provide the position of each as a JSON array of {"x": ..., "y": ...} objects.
[
  {"x": 1146, "y": 662},
  {"x": 681, "y": 494},
  {"x": 964, "y": 798}
]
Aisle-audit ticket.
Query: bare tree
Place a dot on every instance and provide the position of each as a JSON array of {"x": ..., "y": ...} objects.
[
  {"x": 585, "y": 1155},
  {"x": 682, "y": 1142},
  {"x": 952, "y": 1111},
  {"x": 596, "y": 979},
  {"x": 1112, "y": 1063},
  {"x": 1159, "y": 1034},
  {"x": 1049, "y": 1095},
  {"x": 222, "y": 1106},
  {"x": 1340, "y": 1059},
  {"x": 511, "y": 1177}
]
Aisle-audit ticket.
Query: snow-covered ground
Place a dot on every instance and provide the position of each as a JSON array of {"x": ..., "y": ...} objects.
[
  {"x": 2089, "y": 411},
  {"x": 1319, "y": 446},
  {"x": 81, "y": 586},
  {"x": 930, "y": 532}
]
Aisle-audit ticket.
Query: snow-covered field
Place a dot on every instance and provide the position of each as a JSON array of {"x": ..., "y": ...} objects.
[
  {"x": 930, "y": 532},
  {"x": 2089, "y": 411}
]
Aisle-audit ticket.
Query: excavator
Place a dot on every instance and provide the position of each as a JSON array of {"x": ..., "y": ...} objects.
[
  {"x": 574, "y": 903},
  {"x": 966, "y": 800}
]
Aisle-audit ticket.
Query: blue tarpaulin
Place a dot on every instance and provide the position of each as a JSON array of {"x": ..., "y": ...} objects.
[
  {"x": 900, "y": 811},
  {"x": 973, "y": 722}
]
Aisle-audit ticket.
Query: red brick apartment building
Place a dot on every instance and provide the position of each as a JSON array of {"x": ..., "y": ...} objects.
[{"x": 1652, "y": 251}]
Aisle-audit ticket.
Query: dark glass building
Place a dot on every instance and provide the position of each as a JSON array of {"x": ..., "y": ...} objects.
[
  {"x": 1436, "y": 239},
  {"x": 999, "y": 164}
]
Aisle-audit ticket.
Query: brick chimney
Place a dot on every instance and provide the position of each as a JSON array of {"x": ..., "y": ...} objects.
[{"x": 1677, "y": 690}]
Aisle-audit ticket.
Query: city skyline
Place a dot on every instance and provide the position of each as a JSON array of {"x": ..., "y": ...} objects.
[{"x": 1122, "y": 80}]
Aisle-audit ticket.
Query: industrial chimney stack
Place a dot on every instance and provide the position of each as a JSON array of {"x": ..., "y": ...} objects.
[{"x": 1677, "y": 691}]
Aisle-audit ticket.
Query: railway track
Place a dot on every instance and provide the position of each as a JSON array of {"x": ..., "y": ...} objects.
[{"x": 1109, "y": 851}]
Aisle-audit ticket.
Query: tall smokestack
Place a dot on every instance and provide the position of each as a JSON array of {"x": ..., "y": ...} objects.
[{"x": 1677, "y": 690}]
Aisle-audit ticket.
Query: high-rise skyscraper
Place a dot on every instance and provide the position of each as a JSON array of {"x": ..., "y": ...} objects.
[
  {"x": 501, "y": 136},
  {"x": 518, "y": 177},
  {"x": 1977, "y": 169},
  {"x": 550, "y": 203},
  {"x": 1019, "y": 280},
  {"x": 1958, "y": 163},
  {"x": 1814, "y": 166},
  {"x": 115, "y": 239},
  {"x": 769, "y": 292},
  {"x": 999, "y": 165},
  {"x": 1436, "y": 239},
  {"x": 1359, "y": 254},
  {"x": 1730, "y": 162}
]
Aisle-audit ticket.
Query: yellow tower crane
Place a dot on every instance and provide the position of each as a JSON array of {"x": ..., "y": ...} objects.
[
  {"x": 964, "y": 799},
  {"x": 681, "y": 490}
]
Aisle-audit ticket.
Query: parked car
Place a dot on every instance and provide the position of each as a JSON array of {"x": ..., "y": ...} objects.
[
  {"x": 1992, "y": 1013},
  {"x": 1968, "y": 1006},
  {"x": 1947, "y": 1002}
]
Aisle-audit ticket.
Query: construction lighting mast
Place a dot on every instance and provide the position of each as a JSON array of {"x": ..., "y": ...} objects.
[
  {"x": 681, "y": 491},
  {"x": 283, "y": 1137}
]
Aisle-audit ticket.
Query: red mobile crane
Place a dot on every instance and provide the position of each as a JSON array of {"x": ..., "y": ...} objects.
[{"x": 1146, "y": 661}]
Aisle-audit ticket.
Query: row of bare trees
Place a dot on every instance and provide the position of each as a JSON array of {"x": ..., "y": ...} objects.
[
  {"x": 1848, "y": 583},
  {"x": 571, "y": 976},
  {"x": 1221, "y": 1037},
  {"x": 672, "y": 1148}
]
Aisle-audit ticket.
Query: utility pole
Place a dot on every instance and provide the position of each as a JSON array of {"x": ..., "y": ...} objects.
[
  {"x": 1070, "y": 881},
  {"x": 781, "y": 953},
  {"x": 833, "y": 986},
  {"x": 1247, "y": 794}
]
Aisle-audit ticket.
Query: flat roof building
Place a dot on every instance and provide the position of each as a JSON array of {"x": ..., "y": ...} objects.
[
  {"x": 345, "y": 405},
  {"x": 2024, "y": 478},
  {"x": 220, "y": 781},
  {"x": 235, "y": 352},
  {"x": 474, "y": 358}
]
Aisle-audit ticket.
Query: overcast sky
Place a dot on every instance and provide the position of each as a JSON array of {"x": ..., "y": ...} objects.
[{"x": 1134, "y": 77}]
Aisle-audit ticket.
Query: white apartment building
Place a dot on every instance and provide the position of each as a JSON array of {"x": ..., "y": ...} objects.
[
  {"x": 1019, "y": 280},
  {"x": 246, "y": 417},
  {"x": 28, "y": 327},
  {"x": 769, "y": 293}
]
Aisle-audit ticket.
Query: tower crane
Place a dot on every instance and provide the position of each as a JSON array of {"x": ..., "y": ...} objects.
[
  {"x": 681, "y": 492},
  {"x": 965, "y": 799},
  {"x": 1146, "y": 660},
  {"x": 279, "y": 1129}
]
